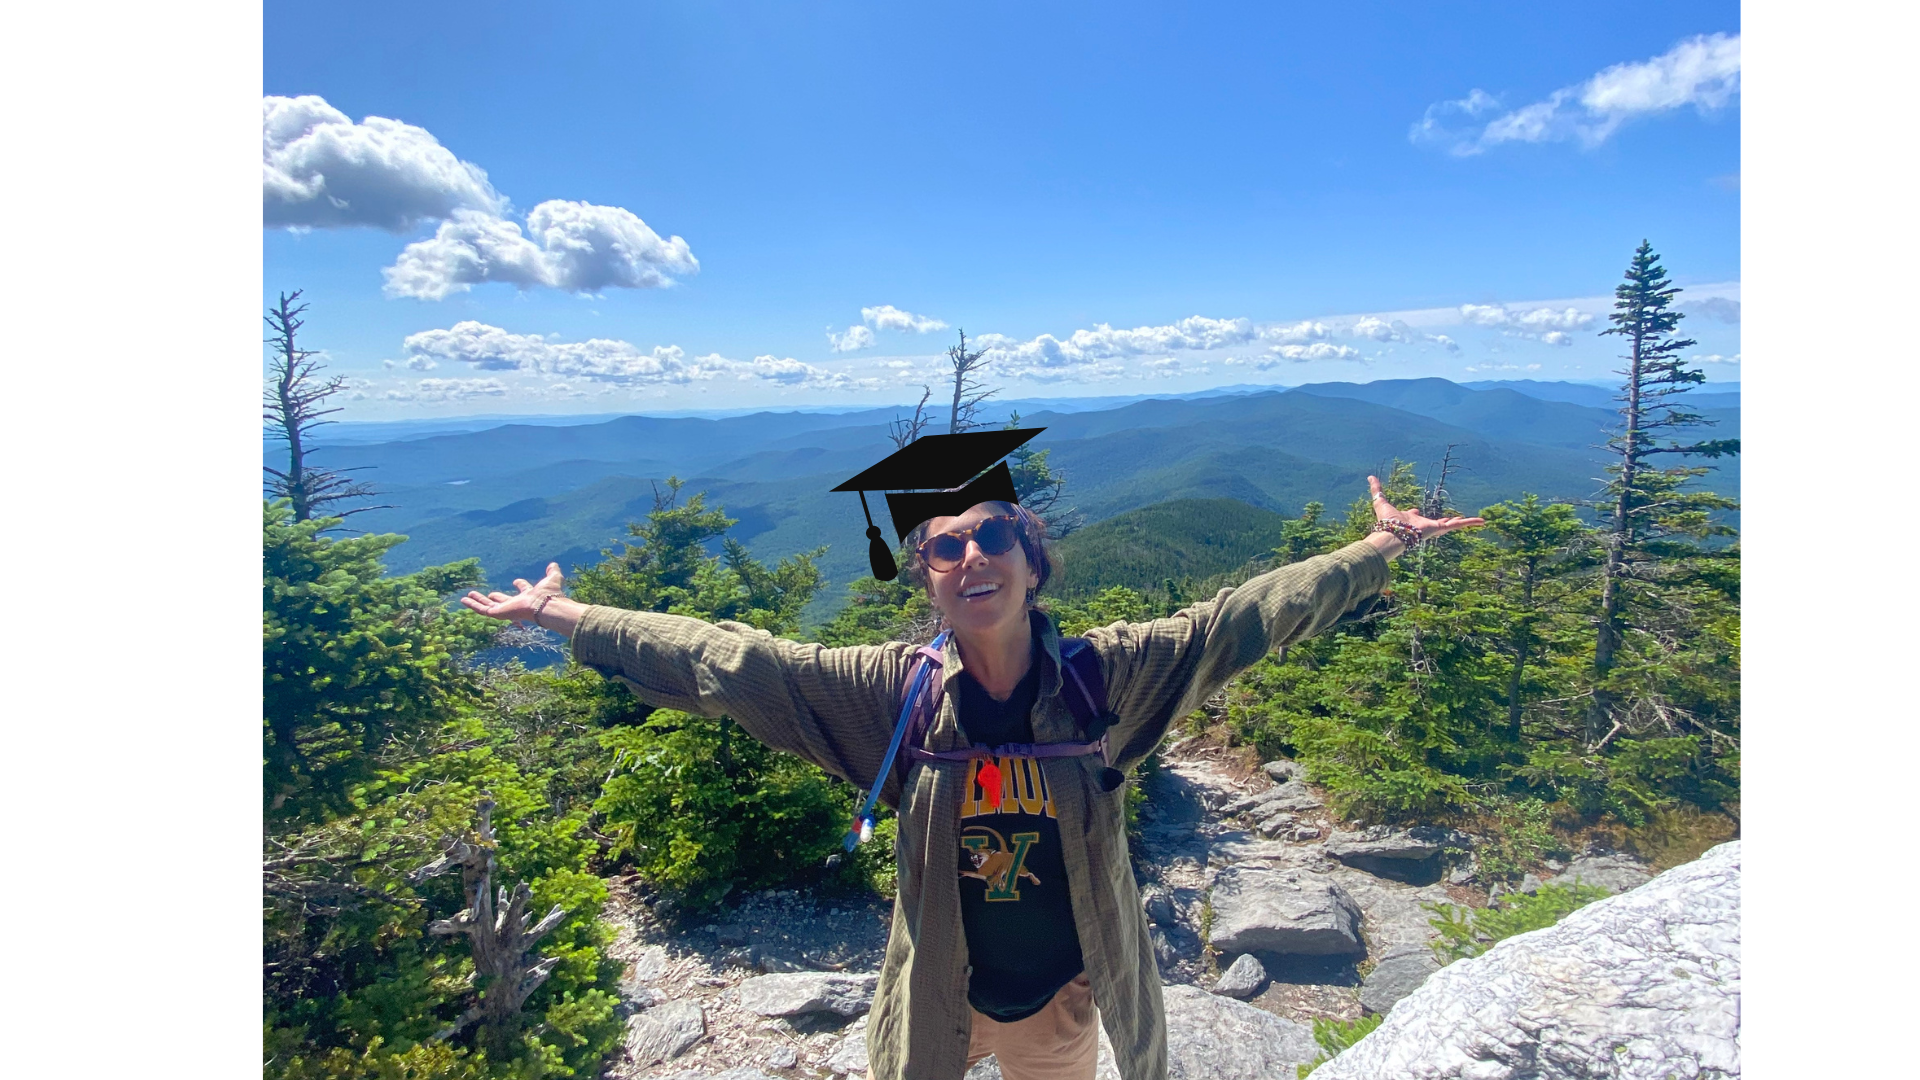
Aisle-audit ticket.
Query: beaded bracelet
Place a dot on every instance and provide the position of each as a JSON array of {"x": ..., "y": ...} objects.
[
  {"x": 540, "y": 607},
  {"x": 1403, "y": 532}
]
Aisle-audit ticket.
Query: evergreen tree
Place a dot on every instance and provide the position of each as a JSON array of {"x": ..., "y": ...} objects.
[
  {"x": 1647, "y": 508},
  {"x": 1529, "y": 570},
  {"x": 1039, "y": 488}
]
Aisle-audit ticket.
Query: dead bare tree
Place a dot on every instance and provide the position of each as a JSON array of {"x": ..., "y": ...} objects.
[
  {"x": 500, "y": 939},
  {"x": 968, "y": 391},
  {"x": 903, "y": 431},
  {"x": 293, "y": 398}
]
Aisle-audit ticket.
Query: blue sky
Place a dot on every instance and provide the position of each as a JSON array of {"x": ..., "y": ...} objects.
[{"x": 697, "y": 205}]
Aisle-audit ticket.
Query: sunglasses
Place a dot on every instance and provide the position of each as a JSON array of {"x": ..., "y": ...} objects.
[{"x": 995, "y": 535}]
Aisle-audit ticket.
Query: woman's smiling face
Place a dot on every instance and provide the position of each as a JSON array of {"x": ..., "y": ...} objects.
[{"x": 983, "y": 591}]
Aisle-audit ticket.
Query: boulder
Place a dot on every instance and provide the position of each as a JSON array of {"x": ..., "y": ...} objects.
[
  {"x": 646, "y": 967},
  {"x": 1394, "y": 977},
  {"x": 1416, "y": 855},
  {"x": 1242, "y": 979},
  {"x": 1639, "y": 986},
  {"x": 1613, "y": 872},
  {"x": 1283, "y": 911},
  {"x": 799, "y": 993},
  {"x": 664, "y": 1032},
  {"x": 850, "y": 1054},
  {"x": 1282, "y": 771},
  {"x": 1292, "y": 795},
  {"x": 1216, "y": 1038},
  {"x": 1280, "y": 823},
  {"x": 783, "y": 1057}
]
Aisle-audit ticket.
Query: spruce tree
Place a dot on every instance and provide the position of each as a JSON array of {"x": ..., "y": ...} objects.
[
  {"x": 294, "y": 396},
  {"x": 1646, "y": 507}
]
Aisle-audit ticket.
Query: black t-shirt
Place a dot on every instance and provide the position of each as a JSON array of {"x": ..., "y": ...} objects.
[{"x": 1013, "y": 881}]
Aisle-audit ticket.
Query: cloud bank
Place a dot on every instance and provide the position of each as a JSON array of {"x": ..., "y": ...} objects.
[
  {"x": 1539, "y": 324},
  {"x": 322, "y": 170},
  {"x": 1702, "y": 71},
  {"x": 888, "y": 317},
  {"x": 491, "y": 348}
]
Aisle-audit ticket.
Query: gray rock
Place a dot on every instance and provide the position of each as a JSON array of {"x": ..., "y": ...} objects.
[
  {"x": 1279, "y": 823},
  {"x": 1292, "y": 795},
  {"x": 773, "y": 965},
  {"x": 1639, "y": 986},
  {"x": 741, "y": 1072},
  {"x": 741, "y": 957},
  {"x": 1242, "y": 979},
  {"x": 646, "y": 997},
  {"x": 850, "y": 1054},
  {"x": 1417, "y": 855},
  {"x": 1530, "y": 884},
  {"x": 664, "y": 1032},
  {"x": 798, "y": 993},
  {"x": 1283, "y": 911},
  {"x": 730, "y": 934},
  {"x": 1282, "y": 771},
  {"x": 1300, "y": 834},
  {"x": 1394, "y": 977},
  {"x": 1159, "y": 906},
  {"x": 783, "y": 1057},
  {"x": 1613, "y": 872},
  {"x": 1216, "y": 1038},
  {"x": 647, "y": 967}
]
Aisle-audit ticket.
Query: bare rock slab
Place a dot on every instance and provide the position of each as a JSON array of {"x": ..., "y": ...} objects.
[
  {"x": 1394, "y": 977},
  {"x": 1283, "y": 911},
  {"x": 1615, "y": 873},
  {"x": 1215, "y": 1038},
  {"x": 664, "y": 1032},
  {"x": 849, "y": 1057},
  {"x": 1242, "y": 979},
  {"x": 1416, "y": 856},
  {"x": 799, "y": 993},
  {"x": 1640, "y": 986}
]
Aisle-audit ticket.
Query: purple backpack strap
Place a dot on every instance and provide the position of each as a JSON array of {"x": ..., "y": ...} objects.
[{"x": 1082, "y": 685}]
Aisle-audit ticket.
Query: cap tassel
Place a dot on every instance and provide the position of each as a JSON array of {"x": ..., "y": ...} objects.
[
  {"x": 879, "y": 555},
  {"x": 990, "y": 785}
]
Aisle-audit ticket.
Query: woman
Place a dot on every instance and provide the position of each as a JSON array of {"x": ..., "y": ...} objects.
[{"x": 1017, "y": 912}]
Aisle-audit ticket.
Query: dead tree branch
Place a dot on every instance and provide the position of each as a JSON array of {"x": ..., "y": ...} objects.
[{"x": 497, "y": 931}]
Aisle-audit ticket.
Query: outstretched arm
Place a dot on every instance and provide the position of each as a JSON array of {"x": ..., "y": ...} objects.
[
  {"x": 1161, "y": 670},
  {"x": 833, "y": 707}
]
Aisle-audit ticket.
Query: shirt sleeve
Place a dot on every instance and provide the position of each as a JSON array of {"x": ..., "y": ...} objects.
[
  {"x": 832, "y": 707},
  {"x": 1161, "y": 670}
]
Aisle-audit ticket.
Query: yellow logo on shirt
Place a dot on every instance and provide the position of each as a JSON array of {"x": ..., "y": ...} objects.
[{"x": 996, "y": 861}]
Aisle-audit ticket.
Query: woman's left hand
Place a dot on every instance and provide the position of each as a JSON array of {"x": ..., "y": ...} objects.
[{"x": 1429, "y": 527}]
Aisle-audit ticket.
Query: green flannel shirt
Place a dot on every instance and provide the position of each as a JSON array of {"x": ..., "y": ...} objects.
[{"x": 836, "y": 708}]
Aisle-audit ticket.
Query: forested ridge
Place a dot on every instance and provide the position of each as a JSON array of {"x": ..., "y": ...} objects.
[{"x": 1571, "y": 667}]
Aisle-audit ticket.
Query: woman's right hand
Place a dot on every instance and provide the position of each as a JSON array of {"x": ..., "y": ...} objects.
[{"x": 529, "y": 601}]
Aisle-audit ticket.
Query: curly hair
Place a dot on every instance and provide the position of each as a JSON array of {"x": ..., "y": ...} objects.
[{"x": 1031, "y": 531}]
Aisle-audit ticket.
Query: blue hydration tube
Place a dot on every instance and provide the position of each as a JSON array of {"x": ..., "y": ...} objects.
[{"x": 863, "y": 821}]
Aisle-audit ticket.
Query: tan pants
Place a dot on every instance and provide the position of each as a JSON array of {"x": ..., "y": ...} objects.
[{"x": 1060, "y": 1042}]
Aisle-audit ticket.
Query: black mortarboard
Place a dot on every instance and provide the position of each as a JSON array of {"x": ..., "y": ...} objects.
[{"x": 943, "y": 463}]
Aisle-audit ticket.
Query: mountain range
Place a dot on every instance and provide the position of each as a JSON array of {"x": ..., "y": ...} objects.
[{"x": 519, "y": 494}]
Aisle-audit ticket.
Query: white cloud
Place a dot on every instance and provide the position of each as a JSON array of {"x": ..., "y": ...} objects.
[
  {"x": 321, "y": 170},
  {"x": 489, "y": 348},
  {"x": 1378, "y": 329},
  {"x": 1718, "y": 308},
  {"x": 1714, "y": 358},
  {"x": 888, "y": 317},
  {"x": 1298, "y": 333},
  {"x": 854, "y": 339},
  {"x": 438, "y": 391},
  {"x": 1319, "y": 350},
  {"x": 575, "y": 246},
  {"x": 1703, "y": 71},
  {"x": 1087, "y": 354},
  {"x": 1478, "y": 368},
  {"x": 421, "y": 363},
  {"x": 788, "y": 372},
  {"x": 1551, "y": 325}
]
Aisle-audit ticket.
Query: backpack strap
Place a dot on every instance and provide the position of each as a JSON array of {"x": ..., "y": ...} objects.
[{"x": 1081, "y": 684}]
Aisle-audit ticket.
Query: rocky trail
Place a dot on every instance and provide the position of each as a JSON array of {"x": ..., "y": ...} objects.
[{"x": 1305, "y": 918}]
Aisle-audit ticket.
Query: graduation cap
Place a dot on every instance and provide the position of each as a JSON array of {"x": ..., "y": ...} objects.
[{"x": 962, "y": 470}]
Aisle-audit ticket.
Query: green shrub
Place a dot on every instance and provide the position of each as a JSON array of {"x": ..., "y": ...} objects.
[
  {"x": 1468, "y": 932},
  {"x": 1335, "y": 1036}
]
